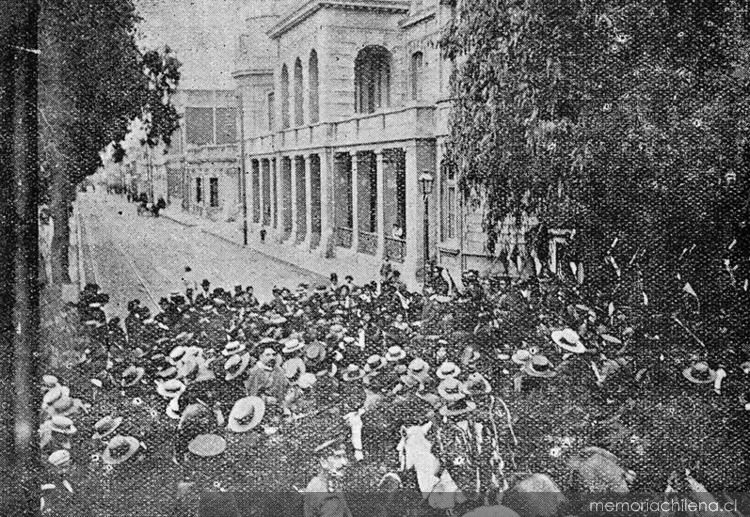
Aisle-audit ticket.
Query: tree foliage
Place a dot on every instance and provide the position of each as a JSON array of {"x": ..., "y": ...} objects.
[
  {"x": 622, "y": 119},
  {"x": 93, "y": 81}
]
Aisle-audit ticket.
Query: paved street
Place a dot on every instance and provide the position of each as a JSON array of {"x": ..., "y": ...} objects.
[{"x": 131, "y": 256}]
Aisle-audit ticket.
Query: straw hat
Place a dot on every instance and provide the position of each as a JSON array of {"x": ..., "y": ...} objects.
[
  {"x": 59, "y": 458},
  {"x": 306, "y": 381},
  {"x": 375, "y": 363},
  {"x": 167, "y": 372},
  {"x": 170, "y": 389},
  {"x": 207, "y": 445},
  {"x": 569, "y": 340},
  {"x": 120, "y": 449},
  {"x": 451, "y": 389},
  {"x": 63, "y": 425},
  {"x": 395, "y": 353},
  {"x": 236, "y": 366},
  {"x": 132, "y": 376},
  {"x": 173, "y": 408},
  {"x": 293, "y": 368},
  {"x": 353, "y": 373},
  {"x": 292, "y": 345},
  {"x": 65, "y": 406},
  {"x": 246, "y": 413},
  {"x": 699, "y": 373},
  {"x": 233, "y": 347},
  {"x": 177, "y": 353},
  {"x": 106, "y": 426},
  {"x": 315, "y": 353},
  {"x": 448, "y": 369},
  {"x": 539, "y": 366},
  {"x": 419, "y": 369},
  {"x": 50, "y": 381},
  {"x": 477, "y": 384},
  {"x": 53, "y": 395}
]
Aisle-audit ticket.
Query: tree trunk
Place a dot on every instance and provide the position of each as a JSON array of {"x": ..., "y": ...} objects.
[{"x": 61, "y": 197}]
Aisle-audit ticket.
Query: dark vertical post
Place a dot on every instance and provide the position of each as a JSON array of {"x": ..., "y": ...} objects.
[
  {"x": 426, "y": 244},
  {"x": 243, "y": 177},
  {"x": 19, "y": 308}
]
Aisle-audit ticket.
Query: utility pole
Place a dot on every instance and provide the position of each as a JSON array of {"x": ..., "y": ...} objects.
[{"x": 243, "y": 180}]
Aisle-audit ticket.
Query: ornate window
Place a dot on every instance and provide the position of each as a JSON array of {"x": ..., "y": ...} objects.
[
  {"x": 213, "y": 184},
  {"x": 299, "y": 114},
  {"x": 269, "y": 101},
  {"x": 284, "y": 97},
  {"x": 313, "y": 80},
  {"x": 372, "y": 79},
  {"x": 449, "y": 202},
  {"x": 417, "y": 63}
]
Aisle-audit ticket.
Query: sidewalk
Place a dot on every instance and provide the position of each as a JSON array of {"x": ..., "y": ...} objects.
[{"x": 362, "y": 270}]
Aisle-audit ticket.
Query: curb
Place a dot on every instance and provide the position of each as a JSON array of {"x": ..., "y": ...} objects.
[{"x": 182, "y": 223}]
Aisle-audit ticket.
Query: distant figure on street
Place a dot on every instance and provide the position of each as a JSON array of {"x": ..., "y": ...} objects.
[{"x": 188, "y": 278}]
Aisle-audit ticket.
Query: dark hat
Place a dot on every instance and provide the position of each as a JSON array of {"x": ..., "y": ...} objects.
[{"x": 205, "y": 282}]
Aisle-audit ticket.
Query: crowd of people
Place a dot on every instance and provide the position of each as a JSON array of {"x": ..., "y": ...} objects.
[{"x": 221, "y": 361}]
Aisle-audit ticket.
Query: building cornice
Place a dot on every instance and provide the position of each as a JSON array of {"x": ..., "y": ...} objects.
[
  {"x": 299, "y": 14},
  {"x": 417, "y": 18}
]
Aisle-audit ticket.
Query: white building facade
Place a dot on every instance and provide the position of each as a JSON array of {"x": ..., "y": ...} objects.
[{"x": 344, "y": 108}]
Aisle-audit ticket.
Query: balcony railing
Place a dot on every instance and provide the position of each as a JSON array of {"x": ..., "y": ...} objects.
[
  {"x": 343, "y": 237},
  {"x": 395, "y": 249},
  {"x": 408, "y": 122},
  {"x": 368, "y": 243}
]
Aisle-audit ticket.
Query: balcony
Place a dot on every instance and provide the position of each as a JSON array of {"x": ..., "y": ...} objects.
[
  {"x": 212, "y": 153},
  {"x": 404, "y": 123}
]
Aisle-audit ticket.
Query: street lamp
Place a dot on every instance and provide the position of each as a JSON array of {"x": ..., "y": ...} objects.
[
  {"x": 426, "y": 180},
  {"x": 243, "y": 178}
]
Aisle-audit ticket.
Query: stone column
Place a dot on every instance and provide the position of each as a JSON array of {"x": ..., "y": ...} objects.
[
  {"x": 327, "y": 207},
  {"x": 355, "y": 203},
  {"x": 279, "y": 197},
  {"x": 271, "y": 176},
  {"x": 261, "y": 198},
  {"x": 249, "y": 190},
  {"x": 308, "y": 201},
  {"x": 414, "y": 218},
  {"x": 380, "y": 208},
  {"x": 293, "y": 178}
]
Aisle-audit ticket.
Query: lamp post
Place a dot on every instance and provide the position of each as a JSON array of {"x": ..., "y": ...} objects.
[
  {"x": 426, "y": 180},
  {"x": 243, "y": 179}
]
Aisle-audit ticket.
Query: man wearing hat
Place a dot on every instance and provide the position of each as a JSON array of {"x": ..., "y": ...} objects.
[
  {"x": 266, "y": 378},
  {"x": 197, "y": 417},
  {"x": 133, "y": 323},
  {"x": 204, "y": 296},
  {"x": 324, "y": 496}
]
